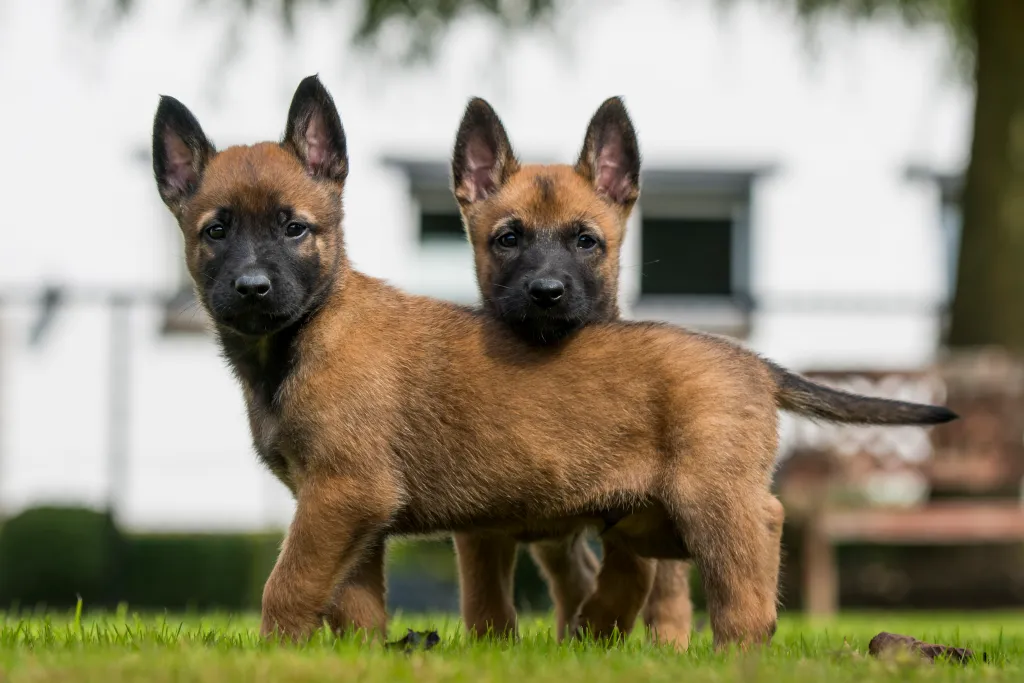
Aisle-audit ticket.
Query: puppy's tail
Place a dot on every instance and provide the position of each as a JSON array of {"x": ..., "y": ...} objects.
[{"x": 800, "y": 395}]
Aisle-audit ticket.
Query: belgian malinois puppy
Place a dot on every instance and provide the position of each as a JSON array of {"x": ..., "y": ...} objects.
[
  {"x": 378, "y": 409},
  {"x": 545, "y": 281},
  {"x": 544, "y": 272}
]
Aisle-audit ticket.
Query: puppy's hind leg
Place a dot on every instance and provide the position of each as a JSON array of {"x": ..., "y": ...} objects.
[
  {"x": 622, "y": 588},
  {"x": 668, "y": 613},
  {"x": 570, "y": 568}
]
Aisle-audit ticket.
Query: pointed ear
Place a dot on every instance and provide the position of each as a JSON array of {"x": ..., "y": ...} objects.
[
  {"x": 180, "y": 152},
  {"x": 610, "y": 158},
  {"x": 314, "y": 133},
  {"x": 483, "y": 159}
]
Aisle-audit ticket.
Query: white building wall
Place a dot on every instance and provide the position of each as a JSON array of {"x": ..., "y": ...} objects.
[{"x": 836, "y": 219}]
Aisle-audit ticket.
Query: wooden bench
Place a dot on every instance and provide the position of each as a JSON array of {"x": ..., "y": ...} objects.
[
  {"x": 977, "y": 461},
  {"x": 955, "y": 523}
]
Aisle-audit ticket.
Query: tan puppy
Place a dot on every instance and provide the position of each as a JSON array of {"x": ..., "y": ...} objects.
[{"x": 545, "y": 282}]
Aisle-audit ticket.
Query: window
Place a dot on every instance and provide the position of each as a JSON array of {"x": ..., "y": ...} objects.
[
  {"x": 442, "y": 260},
  {"x": 437, "y": 215},
  {"x": 694, "y": 249}
]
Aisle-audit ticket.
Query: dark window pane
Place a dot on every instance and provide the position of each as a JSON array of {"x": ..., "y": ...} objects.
[
  {"x": 441, "y": 226},
  {"x": 691, "y": 256}
]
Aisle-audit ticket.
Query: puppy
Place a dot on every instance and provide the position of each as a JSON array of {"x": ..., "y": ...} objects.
[{"x": 544, "y": 285}]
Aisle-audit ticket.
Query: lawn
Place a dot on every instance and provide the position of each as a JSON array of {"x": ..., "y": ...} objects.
[{"x": 126, "y": 647}]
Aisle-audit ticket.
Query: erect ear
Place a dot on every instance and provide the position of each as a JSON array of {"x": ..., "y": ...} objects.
[
  {"x": 180, "y": 152},
  {"x": 483, "y": 159},
  {"x": 610, "y": 158},
  {"x": 314, "y": 133}
]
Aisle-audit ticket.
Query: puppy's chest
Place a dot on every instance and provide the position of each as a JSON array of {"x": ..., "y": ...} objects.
[{"x": 273, "y": 446}]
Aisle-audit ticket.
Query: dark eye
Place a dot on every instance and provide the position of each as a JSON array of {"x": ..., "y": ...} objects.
[
  {"x": 216, "y": 231},
  {"x": 295, "y": 229},
  {"x": 586, "y": 242},
  {"x": 509, "y": 240}
]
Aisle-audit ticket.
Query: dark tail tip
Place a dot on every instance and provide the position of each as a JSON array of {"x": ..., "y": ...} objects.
[{"x": 941, "y": 415}]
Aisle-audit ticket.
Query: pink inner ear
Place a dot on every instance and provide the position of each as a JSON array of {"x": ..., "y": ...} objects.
[
  {"x": 480, "y": 163},
  {"x": 612, "y": 177},
  {"x": 181, "y": 174},
  {"x": 317, "y": 143}
]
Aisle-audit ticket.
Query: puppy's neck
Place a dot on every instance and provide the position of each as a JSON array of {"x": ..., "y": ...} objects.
[{"x": 263, "y": 363}]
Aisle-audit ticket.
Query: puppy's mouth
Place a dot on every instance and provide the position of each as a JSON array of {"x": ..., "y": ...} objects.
[
  {"x": 553, "y": 332},
  {"x": 544, "y": 326},
  {"x": 253, "y": 319},
  {"x": 255, "y": 325}
]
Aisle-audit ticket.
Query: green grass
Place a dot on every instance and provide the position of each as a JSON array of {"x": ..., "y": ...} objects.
[{"x": 122, "y": 647}]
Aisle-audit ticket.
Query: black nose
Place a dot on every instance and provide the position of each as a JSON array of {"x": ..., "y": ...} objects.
[
  {"x": 546, "y": 292},
  {"x": 252, "y": 285}
]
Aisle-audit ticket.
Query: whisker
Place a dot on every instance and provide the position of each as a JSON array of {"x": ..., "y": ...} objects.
[{"x": 640, "y": 265}]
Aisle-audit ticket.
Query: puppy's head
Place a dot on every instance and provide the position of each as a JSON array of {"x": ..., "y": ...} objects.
[
  {"x": 546, "y": 239},
  {"x": 261, "y": 223}
]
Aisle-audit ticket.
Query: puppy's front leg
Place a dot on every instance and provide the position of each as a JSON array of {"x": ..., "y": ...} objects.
[
  {"x": 486, "y": 565},
  {"x": 336, "y": 523},
  {"x": 361, "y": 601}
]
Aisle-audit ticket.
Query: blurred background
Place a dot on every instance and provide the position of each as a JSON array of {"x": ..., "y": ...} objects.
[{"x": 839, "y": 184}]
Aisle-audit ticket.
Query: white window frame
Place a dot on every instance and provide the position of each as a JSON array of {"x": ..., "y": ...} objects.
[
  {"x": 949, "y": 187},
  {"x": 697, "y": 194}
]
